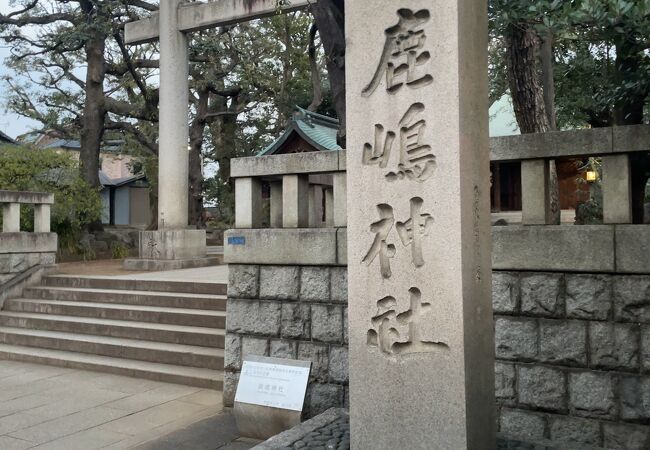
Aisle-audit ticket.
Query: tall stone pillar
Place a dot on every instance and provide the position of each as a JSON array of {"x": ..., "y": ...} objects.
[
  {"x": 420, "y": 313},
  {"x": 173, "y": 245},
  {"x": 173, "y": 157}
]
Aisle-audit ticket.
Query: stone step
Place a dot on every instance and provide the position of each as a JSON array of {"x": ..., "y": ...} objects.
[
  {"x": 182, "y": 355},
  {"x": 175, "y": 334},
  {"x": 190, "y": 376},
  {"x": 134, "y": 285},
  {"x": 126, "y": 297},
  {"x": 112, "y": 311}
]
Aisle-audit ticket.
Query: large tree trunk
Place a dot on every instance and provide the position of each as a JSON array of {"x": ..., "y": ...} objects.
[
  {"x": 628, "y": 110},
  {"x": 525, "y": 87},
  {"x": 92, "y": 130},
  {"x": 533, "y": 100},
  {"x": 548, "y": 85},
  {"x": 330, "y": 19},
  {"x": 548, "y": 79},
  {"x": 197, "y": 127},
  {"x": 285, "y": 102},
  {"x": 94, "y": 114},
  {"x": 316, "y": 82},
  {"x": 224, "y": 136}
]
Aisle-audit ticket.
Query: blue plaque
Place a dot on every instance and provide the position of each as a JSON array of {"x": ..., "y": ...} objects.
[{"x": 237, "y": 240}]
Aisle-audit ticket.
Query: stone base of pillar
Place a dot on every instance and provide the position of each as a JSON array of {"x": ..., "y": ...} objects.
[{"x": 171, "y": 250}]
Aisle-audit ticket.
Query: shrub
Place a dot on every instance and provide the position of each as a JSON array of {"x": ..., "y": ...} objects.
[
  {"x": 119, "y": 250},
  {"x": 76, "y": 203}
]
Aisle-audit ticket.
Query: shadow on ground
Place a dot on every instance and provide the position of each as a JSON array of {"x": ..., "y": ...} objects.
[{"x": 218, "y": 432}]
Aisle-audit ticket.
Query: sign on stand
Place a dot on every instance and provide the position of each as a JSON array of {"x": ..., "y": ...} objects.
[
  {"x": 272, "y": 382},
  {"x": 270, "y": 395}
]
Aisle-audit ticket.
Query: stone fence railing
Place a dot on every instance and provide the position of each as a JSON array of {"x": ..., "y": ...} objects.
[
  {"x": 614, "y": 145},
  {"x": 24, "y": 254},
  {"x": 307, "y": 190},
  {"x": 11, "y": 202},
  {"x": 306, "y": 209},
  {"x": 287, "y": 202}
]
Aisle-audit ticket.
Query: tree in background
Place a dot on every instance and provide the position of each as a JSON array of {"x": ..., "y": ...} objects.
[
  {"x": 50, "y": 40},
  {"x": 330, "y": 20},
  {"x": 575, "y": 64},
  {"x": 599, "y": 58},
  {"x": 245, "y": 80}
]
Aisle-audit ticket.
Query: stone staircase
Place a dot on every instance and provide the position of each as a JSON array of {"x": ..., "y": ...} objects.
[{"x": 161, "y": 330}]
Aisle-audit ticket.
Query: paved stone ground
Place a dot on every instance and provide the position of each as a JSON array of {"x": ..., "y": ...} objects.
[
  {"x": 113, "y": 268},
  {"x": 218, "y": 432},
  {"x": 104, "y": 267},
  {"x": 45, "y": 407},
  {"x": 211, "y": 274}
]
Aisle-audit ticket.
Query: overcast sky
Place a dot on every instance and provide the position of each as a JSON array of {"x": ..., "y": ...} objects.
[{"x": 11, "y": 124}]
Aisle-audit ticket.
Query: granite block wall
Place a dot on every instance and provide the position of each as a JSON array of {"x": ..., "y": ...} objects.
[
  {"x": 573, "y": 358},
  {"x": 13, "y": 264},
  {"x": 290, "y": 312},
  {"x": 572, "y": 350}
]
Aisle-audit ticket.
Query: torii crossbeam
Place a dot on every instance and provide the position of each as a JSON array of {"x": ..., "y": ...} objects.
[
  {"x": 170, "y": 25},
  {"x": 201, "y": 16}
]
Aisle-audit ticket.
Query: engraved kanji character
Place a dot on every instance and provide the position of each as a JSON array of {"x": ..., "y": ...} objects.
[
  {"x": 382, "y": 332},
  {"x": 385, "y": 334},
  {"x": 380, "y": 247},
  {"x": 413, "y": 230},
  {"x": 380, "y": 152},
  {"x": 417, "y": 162},
  {"x": 403, "y": 54}
]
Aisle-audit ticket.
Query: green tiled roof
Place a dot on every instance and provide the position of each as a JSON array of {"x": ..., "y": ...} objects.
[{"x": 318, "y": 130}]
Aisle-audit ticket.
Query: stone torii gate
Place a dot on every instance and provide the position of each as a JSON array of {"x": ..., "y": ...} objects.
[
  {"x": 421, "y": 337},
  {"x": 174, "y": 245}
]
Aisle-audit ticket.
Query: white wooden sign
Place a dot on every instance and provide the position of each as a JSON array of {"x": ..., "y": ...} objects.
[{"x": 272, "y": 382}]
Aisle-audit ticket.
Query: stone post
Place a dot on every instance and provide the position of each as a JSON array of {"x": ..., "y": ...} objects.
[
  {"x": 248, "y": 203},
  {"x": 173, "y": 157},
  {"x": 315, "y": 206},
  {"x": 535, "y": 191},
  {"x": 42, "y": 218},
  {"x": 329, "y": 208},
  {"x": 617, "y": 189},
  {"x": 173, "y": 245},
  {"x": 295, "y": 201},
  {"x": 340, "y": 200},
  {"x": 276, "y": 204},
  {"x": 420, "y": 312},
  {"x": 11, "y": 218}
]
